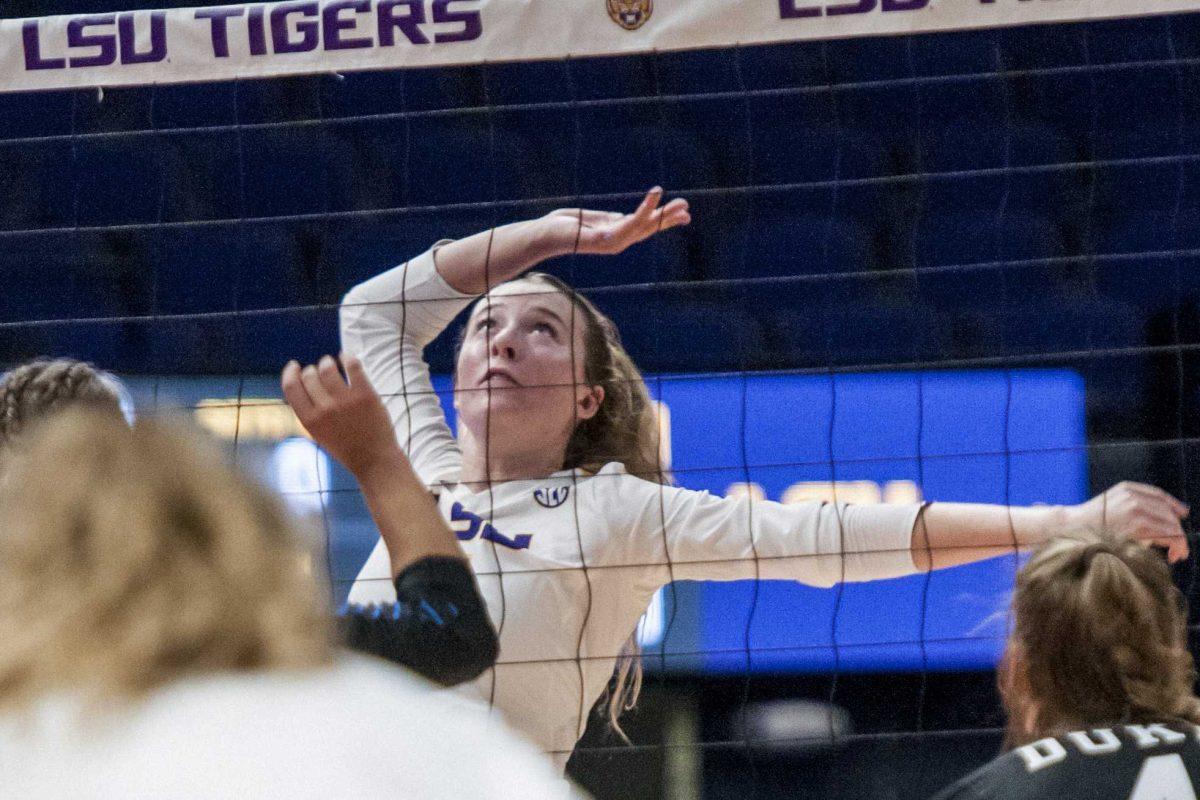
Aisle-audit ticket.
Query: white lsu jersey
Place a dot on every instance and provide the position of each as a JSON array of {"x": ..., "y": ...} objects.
[{"x": 568, "y": 563}]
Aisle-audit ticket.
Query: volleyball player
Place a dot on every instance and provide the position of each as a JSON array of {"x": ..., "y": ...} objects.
[
  {"x": 554, "y": 483},
  {"x": 1097, "y": 681},
  {"x": 437, "y": 626},
  {"x": 158, "y": 638}
]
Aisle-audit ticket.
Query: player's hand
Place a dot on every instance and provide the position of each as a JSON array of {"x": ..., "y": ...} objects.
[
  {"x": 343, "y": 415},
  {"x": 1139, "y": 511},
  {"x": 610, "y": 232}
]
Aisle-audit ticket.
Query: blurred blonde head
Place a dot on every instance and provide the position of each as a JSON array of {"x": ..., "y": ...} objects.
[
  {"x": 1099, "y": 637},
  {"x": 130, "y": 558}
]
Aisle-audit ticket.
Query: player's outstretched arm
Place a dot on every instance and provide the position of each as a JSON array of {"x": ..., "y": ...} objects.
[
  {"x": 475, "y": 264},
  {"x": 948, "y": 534}
]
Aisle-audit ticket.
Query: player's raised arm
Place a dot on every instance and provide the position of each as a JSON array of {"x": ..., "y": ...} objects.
[
  {"x": 475, "y": 264},
  {"x": 348, "y": 420},
  {"x": 439, "y": 625},
  {"x": 948, "y": 534}
]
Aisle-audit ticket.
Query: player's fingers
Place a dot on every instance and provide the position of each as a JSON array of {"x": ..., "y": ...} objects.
[
  {"x": 1178, "y": 507},
  {"x": 1150, "y": 522},
  {"x": 676, "y": 206},
  {"x": 1154, "y": 513},
  {"x": 628, "y": 229},
  {"x": 1174, "y": 541},
  {"x": 356, "y": 373},
  {"x": 331, "y": 378},
  {"x": 644, "y": 215},
  {"x": 1177, "y": 549},
  {"x": 294, "y": 391},
  {"x": 1156, "y": 506},
  {"x": 649, "y": 202},
  {"x": 316, "y": 390},
  {"x": 674, "y": 214}
]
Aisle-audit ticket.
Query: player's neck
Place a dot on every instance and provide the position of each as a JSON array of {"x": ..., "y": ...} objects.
[{"x": 525, "y": 459}]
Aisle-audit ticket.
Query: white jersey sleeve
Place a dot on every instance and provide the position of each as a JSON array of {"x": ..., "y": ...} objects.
[
  {"x": 387, "y": 321},
  {"x": 702, "y": 537}
]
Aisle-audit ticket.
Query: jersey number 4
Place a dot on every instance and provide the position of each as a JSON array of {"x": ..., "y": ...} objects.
[
  {"x": 475, "y": 526},
  {"x": 1163, "y": 778}
]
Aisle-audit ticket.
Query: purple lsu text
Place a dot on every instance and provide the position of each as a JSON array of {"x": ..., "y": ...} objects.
[{"x": 103, "y": 39}]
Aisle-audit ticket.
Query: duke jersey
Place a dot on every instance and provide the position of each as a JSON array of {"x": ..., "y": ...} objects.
[
  {"x": 568, "y": 563},
  {"x": 1159, "y": 761}
]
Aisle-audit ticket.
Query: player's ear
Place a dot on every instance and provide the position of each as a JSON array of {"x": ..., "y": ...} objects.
[
  {"x": 1030, "y": 722},
  {"x": 1012, "y": 681},
  {"x": 587, "y": 401}
]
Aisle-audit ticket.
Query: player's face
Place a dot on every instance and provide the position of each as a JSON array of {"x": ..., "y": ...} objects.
[{"x": 522, "y": 363}]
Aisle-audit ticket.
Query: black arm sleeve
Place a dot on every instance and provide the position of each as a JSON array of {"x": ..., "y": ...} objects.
[{"x": 438, "y": 626}]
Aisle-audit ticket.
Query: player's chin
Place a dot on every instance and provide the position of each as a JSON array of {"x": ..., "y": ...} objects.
[
  {"x": 494, "y": 402},
  {"x": 533, "y": 406}
]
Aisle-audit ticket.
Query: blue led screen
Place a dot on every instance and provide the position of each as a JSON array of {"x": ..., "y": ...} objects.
[{"x": 992, "y": 437}]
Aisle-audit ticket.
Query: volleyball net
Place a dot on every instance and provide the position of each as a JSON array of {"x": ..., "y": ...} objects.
[{"x": 939, "y": 252}]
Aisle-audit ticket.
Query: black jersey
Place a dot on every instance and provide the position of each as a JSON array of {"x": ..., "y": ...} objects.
[
  {"x": 438, "y": 626},
  {"x": 1158, "y": 761}
]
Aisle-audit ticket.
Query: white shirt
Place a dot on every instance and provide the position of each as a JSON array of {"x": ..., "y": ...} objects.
[
  {"x": 599, "y": 546},
  {"x": 360, "y": 729}
]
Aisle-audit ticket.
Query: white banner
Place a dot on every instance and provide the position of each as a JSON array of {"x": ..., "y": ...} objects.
[{"x": 302, "y": 37}]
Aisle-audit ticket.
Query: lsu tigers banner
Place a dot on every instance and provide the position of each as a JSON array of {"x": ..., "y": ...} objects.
[{"x": 314, "y": 36}]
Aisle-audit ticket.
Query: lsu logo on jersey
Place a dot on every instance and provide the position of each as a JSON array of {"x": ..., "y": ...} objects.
[
  {"x": 630, "y": 14},
  {"x": 551, "y": 496},
  {"x": 467, "y": 526}
]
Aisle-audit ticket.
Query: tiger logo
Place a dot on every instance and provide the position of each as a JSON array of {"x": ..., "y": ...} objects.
[{"x": 630, "y": 14}]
